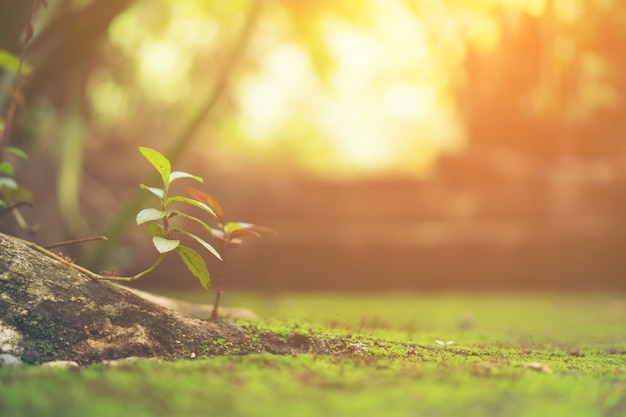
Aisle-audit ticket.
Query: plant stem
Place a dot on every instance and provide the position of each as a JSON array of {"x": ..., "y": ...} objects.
[
  {"x": 16, "y": 206},
  {"x": 71, "y": 242},
  {"x": 17, "y": 214},
  {"x": 87, "y": 272},
  {"x": 220, "y": 282}
]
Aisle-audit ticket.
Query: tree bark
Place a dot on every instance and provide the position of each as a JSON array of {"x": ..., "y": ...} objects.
[{"x": 49, "y": 311}]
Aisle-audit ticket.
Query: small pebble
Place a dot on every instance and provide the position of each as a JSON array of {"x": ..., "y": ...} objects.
[
  {"x": 60, "y": 364},
  {"x": 9, "y": 360}
]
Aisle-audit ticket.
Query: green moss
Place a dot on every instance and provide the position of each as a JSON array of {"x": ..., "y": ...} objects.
[{"x": 374, "y": 371}]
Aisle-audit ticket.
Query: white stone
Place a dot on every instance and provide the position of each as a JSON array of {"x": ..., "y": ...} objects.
[
  {"x": 9, "y": 360},
  {"x": 10, "y": 340}
]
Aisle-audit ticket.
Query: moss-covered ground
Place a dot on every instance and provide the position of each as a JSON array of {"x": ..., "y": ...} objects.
[{"x": 522, "y": 355}]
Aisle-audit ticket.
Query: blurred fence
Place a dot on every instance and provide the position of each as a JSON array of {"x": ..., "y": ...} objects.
[{"x": 559, "y": 226}]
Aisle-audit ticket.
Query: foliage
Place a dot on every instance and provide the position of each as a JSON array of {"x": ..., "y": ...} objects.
[
  {"x": 9, "y": 186},
  {"x": 157, "y": 221},
  {"x": 229, "y": 234}
]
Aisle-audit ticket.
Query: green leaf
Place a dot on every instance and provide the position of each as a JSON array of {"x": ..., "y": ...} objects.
[
  {"x": 159, "y": 162},
  {"x": 16, "y": 151},
  {"x": 176, "y": 175},
  {"x": 165, "y": 245},
  {"x": 11, "y": 62},
  {"x": 159, "y": 192},
  {"x": 231, "y": 227},
  {"x": 6, "y": 168},
  {"x": 149, "y": 214},
  {"x": 10, "y": 183},
  {"x": 19, "y": 193},
  {"x": 192, "y": 202},
  {"x": 195, "y": 264},
  {"x": 194, "y": 219},
  {"x": 203, "y": 242},
  {"x": 154, "y": 229},
  {"x": 209, "y": 201}
]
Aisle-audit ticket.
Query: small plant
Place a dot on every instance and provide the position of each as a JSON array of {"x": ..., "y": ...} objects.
[
  {"x": 228, "y": 234},
  {"x": 158, "y": 225},
  {"x": 157, "y": 220},
  {"x": 445, "y": 344}
]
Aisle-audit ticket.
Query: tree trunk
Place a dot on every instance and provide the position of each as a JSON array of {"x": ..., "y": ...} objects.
[{"x": 49, "y": 311}]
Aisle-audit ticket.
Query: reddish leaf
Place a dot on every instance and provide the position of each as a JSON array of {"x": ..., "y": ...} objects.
[
  {"x": 209, "y": 200},
  {"x": 244, "y": 233}
]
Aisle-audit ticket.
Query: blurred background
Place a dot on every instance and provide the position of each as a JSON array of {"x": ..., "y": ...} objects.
[{"x": 393, "y": 144}]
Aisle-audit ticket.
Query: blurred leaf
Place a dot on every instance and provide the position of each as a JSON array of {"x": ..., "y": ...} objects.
[
  {"x": 19, "y": 193},
  {"x": 149, "y": 214},
  {"x": 165, "y": 245},
  {"x": 10, "y": 183},
  {"x": 209, "y": 200},
  {"x": 192, "y": 202},
  {"x": 180, "y": 174},
  {"x": 159, "y": 162},
  {"x": 11, "y": 62},
  {"x": 232, "y": 226},
  {"x": 6, "y": 168},
  {"x": 16, "y": 151},
  {"x": 204, "y": 243},
  {"x": 195, "y": 264},
  {"x": 244, "y": 233},
  {"x": 154, "y": 190},
  {"x": 233, "y": 244},
  {"x": 154, "y": 229}
]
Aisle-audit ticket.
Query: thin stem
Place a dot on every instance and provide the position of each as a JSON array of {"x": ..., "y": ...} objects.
[
  {"x": 74, "y": 241},
  {"x": 16, "y": 206},
  {"x": 18, "y": 214},
  {"x": 220, "y": 282},
  {"x": 85, "y": 271}
]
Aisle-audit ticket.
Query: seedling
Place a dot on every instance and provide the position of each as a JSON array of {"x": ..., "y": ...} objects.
[
  {"x": 228, "y": 234},
  {"x": 445, "y": 344},
  {"x": 158, "y": 225},
  {"x": 157, "y": 220}
]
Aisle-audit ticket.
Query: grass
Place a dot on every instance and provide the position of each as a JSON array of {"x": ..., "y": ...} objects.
[{"x": 581, "y": 339}]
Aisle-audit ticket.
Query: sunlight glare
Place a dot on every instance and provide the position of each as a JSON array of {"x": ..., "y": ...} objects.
[
  {"x": 409, "y": 101},
  {"x": 163, "y": 67},
  {"x": 268, "y": 101}
]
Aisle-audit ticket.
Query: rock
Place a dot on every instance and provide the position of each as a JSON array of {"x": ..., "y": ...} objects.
[
  {"x": 60, "y": 364},
  {"x": 538, "y": 366},
  {"x": 198, "y": 311},
  {"x": 49, "y": 311},
  {"x": 7, "y": 359}
]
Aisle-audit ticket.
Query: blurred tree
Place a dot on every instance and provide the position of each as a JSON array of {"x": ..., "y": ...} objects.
[{"x": 554, "y": 82}]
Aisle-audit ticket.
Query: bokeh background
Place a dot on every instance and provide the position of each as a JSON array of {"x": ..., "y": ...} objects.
[{"x": 394, "y": 144}]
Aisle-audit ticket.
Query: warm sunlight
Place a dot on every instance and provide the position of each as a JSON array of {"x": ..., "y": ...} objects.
[
  {"x": 376, "y": 96},
  {"x": 384, "y": 104}
]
